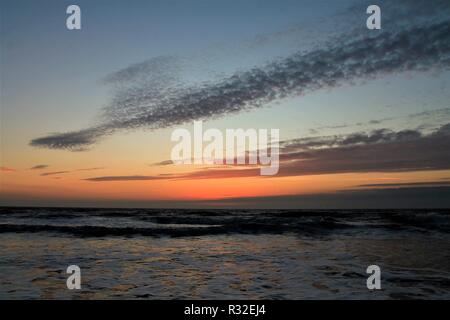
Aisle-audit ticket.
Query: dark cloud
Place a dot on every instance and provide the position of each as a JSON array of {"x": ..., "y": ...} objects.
[
  {"x": 378, "y": 151},
  {"x": 406, "y": 184},
  {"x": 156, "y": 72},
  {"x": 54, "y": 173},
  {"x": 90, "y": 169},
  {"x": 75, "y": 141},
  {"x": 443, "y": 112},
  {"x": 444, "y": 130},
  {"x": 70, "y": 171},
  {"x": 39, "y": 167},
  {"x": 436, "y": 114},
  {"x": 358, "y": 138},
  {"x": 415, "y": 46},
  {"x": 163, "y": 163},
  {"x": 124, "y": 178}
]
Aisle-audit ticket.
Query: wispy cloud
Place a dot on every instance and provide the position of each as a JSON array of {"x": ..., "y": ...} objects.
[
  {"x": 163, "y": 163},
  {"x": 53, "y": 173},
  {"x": 6, "y": 169},
  {"x": 90, "y": 169},
  {"x": 39, "y": 167},
  {"x": 70, "y": 171},
  {"x": 406, "y": 184},
  {"x": 124, "y": 178},
  {"x": 144, "y": 101},
  {"x": 428, "y": 119}
]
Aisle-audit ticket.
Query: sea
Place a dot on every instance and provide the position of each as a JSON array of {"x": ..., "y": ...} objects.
[{"x": 224, "y": 254}]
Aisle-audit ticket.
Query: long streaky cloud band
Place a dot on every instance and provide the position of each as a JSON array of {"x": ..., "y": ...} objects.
[
  {"x": 377, "y": 151},
  {"x": 124, "y": 178}
]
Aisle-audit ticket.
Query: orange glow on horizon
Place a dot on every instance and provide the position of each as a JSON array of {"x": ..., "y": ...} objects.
[{"x": 28, "y": 184}]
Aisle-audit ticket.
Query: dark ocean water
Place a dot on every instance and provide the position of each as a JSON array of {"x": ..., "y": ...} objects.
[{"x": 224, "y": 254}]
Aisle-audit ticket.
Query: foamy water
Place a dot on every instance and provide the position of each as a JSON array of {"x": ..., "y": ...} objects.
[{"x": 222, "y": 254}]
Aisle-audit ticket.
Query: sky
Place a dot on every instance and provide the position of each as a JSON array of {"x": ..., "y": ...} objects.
[{"x": 87, "y": 115}]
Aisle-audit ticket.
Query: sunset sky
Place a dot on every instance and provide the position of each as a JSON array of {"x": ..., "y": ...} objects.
[{"x": 87, "y": 115}]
